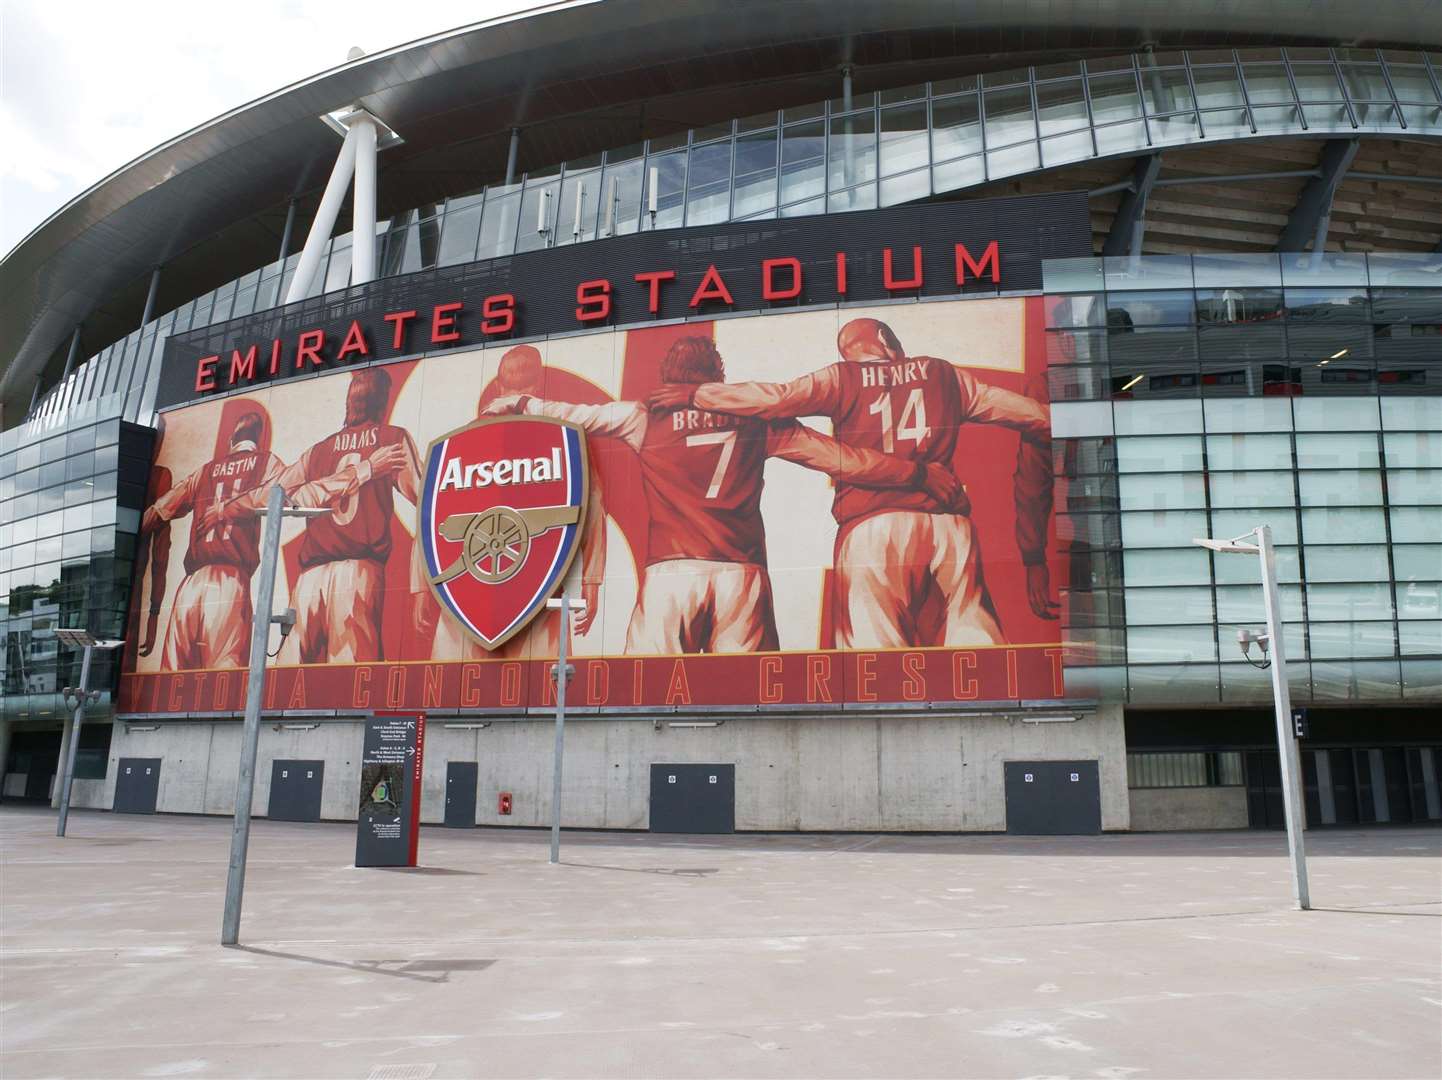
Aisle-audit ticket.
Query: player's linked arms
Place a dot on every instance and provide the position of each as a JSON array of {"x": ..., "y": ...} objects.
[
  {"x": 510, "y": 405},
  {"x": 671, "y": 396}
]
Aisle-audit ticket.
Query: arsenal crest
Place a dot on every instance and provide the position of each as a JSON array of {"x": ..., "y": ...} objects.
[{"x": 500, "y": 519}]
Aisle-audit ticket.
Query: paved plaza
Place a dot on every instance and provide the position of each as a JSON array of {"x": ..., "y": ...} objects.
[{"x": 754, "y": 955}]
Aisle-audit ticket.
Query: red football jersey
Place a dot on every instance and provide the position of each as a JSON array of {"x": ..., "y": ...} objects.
[
  {"x": 910, "y": 409},
  {"x": 703, "y": 477},
  {"x": 359, "y": 526},
  {"x": 236, "y": 543}
]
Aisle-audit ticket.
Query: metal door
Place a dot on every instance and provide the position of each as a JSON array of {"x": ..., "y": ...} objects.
[
  {"x": 461, "y": 780},
  {"x": 295, "y": 790},
  {"x": 137, "y": 785},
  {"x": 693, "y": 798},
  {"x": 1053, "y": 798}
]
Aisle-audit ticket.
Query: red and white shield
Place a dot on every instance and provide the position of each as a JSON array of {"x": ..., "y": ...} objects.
[{"x": 501, "y": 518}]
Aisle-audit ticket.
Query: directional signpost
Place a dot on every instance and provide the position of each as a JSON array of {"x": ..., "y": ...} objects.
[{"x": 388, "y": 825}]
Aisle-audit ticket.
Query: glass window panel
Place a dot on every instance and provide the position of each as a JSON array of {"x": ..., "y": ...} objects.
[
  {"x": 1412, "y": 413},
  {"x": 1161, "y": 491},
  {"x": 1162, "y": 528},
  {"x": 1169, "y": 417},
  {"x": 1149, "y": 272},
  {"x": 1417, "y": 562},
  {"x": 1076, "y": 311},
  {"x": 1014, "y": 159},
  {"x": 1128, "y": 309},
  {"x": 1337, "y": 451},
  {"x": 1009, "y": 117},
  {"x": 901, "y": 189},
  {"x": 1115, "y": 97},
  {"x": 755, "y": 173},
  {"x": 1419, "y": 599},
  {"x": 1333, "y": 269},
  {"x": 1364, "y": 82},
  {"x": 459, "y": 233},
  {"x": 1335, "y": 414},
  {"x": 1414, "y": 487},
  {"x": 858, "y": 198},
  {"x": 1349, "y": 639},
  {"x": 1183, "y": 566},
  {"x": 1162, "y": 453},
  {"x": 1250, "y": 489},
  {"x": 540, "y": 204},
  {"x": 1151, "y": 607},
  {"x": 1267, "y": 83},
  {"x": 1243, "y": 605},
  {"x": 708, "y": 199},
  {"x": 1239, "y": 306},
  {"x": 1171, "y": 644},
  {"x": 1217, "y": 87},
  {"x": 1244, "y": 569},
  {"x": 1412, "y": 84},
  {"x": 1259, "y": 415},
  {"x": 1339, "y": 526},
  {"x": 498, "y": 226},
  {"x": 1061, "y": 107},
  {"x": 1335, "y": 602},
  {"x": 1316, "y": 82},
  {"x": 1347, "y": 562},
  {"x": 1341, "y": 487},
  {"x": 667, "y": 173},
  {"x": 1327, "y": 305},
  {"x": 1419, "y": 638},
  {"x": 1172, "y": 684},
  {"x": 1411, "y": 523},
  {"x": 1119, "y": 138},
  {"x": 1236, "y": 272},
  {"x": 957, "y": 174},
  {"x": 1246, "y": 452},
  {"x": 956, "y": 127},
  {"x": 904, "y": 139},
  {"x": 1166, "y": 90},
  {"x": 1414, "y": 449},
  {"x": 1060, "y": 149},
  {"x": 803, "y": 150},
  {"x": 852, "y": 150}
]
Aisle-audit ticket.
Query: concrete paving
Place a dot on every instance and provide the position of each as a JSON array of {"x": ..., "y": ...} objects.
[{"x": 755, "y": 955}]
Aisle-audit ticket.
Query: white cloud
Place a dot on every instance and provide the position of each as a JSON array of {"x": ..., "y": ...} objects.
[{"x": 86, "y": 87}]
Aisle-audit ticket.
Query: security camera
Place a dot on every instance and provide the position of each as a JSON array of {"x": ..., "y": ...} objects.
[{"x": 286, "y": 621}]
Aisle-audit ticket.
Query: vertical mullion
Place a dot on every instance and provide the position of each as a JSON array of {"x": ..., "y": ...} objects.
[
  {"x": 1246, "y": 97},
  {"x": 1392, "y": 90},
  {"x": 1292, "y": 84},
  {"x": 1342, "y": 84},
  {"x": 1141, "y": 98},
  {"x": 1091, "y": 117},
  {"x": 1196, "y": 101}
]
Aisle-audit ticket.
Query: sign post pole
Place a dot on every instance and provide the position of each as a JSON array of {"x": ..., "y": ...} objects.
[
  {"x": 561, "y": 671},
  {"x": 250, "y": 734},
  {"x": 68, "y": 780}
]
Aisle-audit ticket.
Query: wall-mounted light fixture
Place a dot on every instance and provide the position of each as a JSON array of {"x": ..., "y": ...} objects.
[
  {"x": 468, "y": 727},
  {"x": 695, "y": 723}
]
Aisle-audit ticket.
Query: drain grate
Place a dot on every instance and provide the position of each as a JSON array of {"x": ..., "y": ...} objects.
[{"x": 403, "y": 1072}]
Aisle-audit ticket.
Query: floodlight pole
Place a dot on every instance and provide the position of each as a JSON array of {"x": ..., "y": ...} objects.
[
  {"x": 250, "y": 735},
  {"x": 68, "y": 779},
  {"x": 1286, "y": 737},
  {"x": 561, "y": 673}
]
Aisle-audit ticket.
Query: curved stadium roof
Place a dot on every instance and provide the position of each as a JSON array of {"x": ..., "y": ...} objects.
[{"x": 578, "y": 77}]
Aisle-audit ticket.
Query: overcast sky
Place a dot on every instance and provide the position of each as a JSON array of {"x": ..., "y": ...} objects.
[{"x": 87, "y": 86}]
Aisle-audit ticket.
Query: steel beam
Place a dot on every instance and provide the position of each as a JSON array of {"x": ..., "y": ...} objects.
[
  {"x": 1130, "y": 223},
  {"x": 1313, "y": 213}
]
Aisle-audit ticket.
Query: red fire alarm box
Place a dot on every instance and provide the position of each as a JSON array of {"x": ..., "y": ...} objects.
[{"x": 503, "y": 804}]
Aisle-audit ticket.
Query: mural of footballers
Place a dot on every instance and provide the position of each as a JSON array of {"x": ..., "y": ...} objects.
[
  {"x": 210, "y": 616},
  {"x": 523, "y": 372},
  {"x": 356, "y": 471},
  {"x": 706, "y": 586},
  {"x": 908, "y": 565}
]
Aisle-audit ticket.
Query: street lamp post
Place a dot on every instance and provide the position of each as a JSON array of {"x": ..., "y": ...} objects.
[
  {"x": 561, "y": 674},
  {"x": 77, "y": 698},
  {"x": 275, "y": 509},
  {"x": 1281, "y": 697}
]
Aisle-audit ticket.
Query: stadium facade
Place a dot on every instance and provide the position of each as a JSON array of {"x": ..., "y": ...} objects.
[{"x": 912, "y": 345}]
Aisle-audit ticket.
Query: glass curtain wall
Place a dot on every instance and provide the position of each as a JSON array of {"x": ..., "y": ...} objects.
[{"x": 891, "y": 147}]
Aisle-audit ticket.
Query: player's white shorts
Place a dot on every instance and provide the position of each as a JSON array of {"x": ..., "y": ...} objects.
[
  {"x": 540, "y": 639},
  {"x": 338, "y": 611},
  {"x": 699, "y": 605},
  {"x": 908, "y": 579},
  {"x": 209, "y": 620}
]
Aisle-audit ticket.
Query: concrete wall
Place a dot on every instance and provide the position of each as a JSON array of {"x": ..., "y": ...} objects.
[
  {"x": 841, "y": 772},
  {"x": 1174, "y": 809}
]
